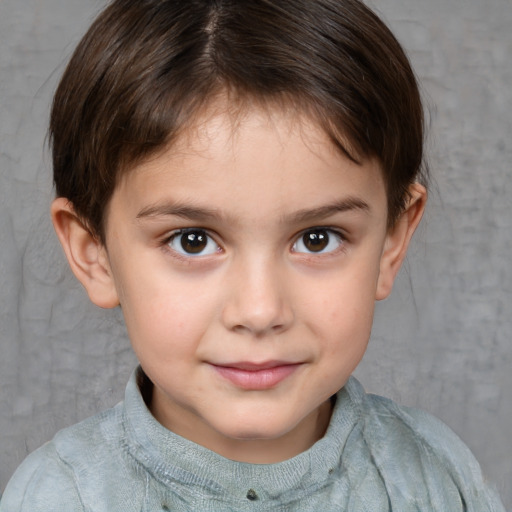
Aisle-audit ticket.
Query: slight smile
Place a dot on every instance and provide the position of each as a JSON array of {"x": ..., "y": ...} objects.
[{"x": 256, "y": 377}]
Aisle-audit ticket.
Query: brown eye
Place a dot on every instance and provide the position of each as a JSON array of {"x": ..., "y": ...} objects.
[
  {"x": 319, "y": 240},
  {"x": 316, "y": 241},
  {"x": 193, "y": 242}
]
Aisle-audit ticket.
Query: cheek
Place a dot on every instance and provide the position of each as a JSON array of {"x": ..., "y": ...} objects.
[
  {"x": 341, "y": 315},
  {"x": 344, "y": 302},
  {"x": 164, "y": 318}
]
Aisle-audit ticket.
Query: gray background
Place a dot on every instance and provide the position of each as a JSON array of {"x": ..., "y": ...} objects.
[{"x": 441, "y": 342}]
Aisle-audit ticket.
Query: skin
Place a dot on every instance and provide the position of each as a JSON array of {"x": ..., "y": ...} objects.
[{"x": 246, "y": 339}]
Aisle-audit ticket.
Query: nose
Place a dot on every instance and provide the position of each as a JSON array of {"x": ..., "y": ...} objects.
[{"x": 258, "y": 301}]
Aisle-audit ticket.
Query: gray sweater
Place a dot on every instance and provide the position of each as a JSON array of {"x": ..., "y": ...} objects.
[{"x": 376, "y": 456}]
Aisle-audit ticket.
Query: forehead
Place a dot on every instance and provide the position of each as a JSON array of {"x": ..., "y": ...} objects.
[
  {"x": 229, "y": 133},
  {"x": 250, "y": 163}
]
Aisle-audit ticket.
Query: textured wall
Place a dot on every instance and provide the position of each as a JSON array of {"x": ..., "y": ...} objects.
[{"x": 441, "y": 342}]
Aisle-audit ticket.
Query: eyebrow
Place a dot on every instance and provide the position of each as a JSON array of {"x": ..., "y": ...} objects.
[
  {"x": 322, "y": 212},
  {"x": 180, "y": 210},
  {"x": 197, "y": 213}
]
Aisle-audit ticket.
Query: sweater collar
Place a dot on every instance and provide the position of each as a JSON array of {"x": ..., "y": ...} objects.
[{"x": 172, "y": 458}]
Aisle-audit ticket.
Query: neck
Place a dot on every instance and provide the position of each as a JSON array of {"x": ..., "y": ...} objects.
[{"x": 253, "y": 450}]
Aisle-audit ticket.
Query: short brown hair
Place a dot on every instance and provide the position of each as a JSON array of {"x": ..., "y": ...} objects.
[{"x": 146, "y": 67}]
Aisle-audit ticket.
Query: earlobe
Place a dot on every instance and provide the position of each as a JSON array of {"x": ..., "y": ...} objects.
[
  {"x": 398, "y": 239},
  {"x": 86, "y": 255}
]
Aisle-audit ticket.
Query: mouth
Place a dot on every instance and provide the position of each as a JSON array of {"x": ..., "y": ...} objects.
[{"x": 256, "y": 376}]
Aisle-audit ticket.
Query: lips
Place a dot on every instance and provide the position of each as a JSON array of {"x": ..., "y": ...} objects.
[{"x": 256, "y": 376}]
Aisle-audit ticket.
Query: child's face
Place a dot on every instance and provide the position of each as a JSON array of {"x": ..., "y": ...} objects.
[{"x": 247, "y": 260}]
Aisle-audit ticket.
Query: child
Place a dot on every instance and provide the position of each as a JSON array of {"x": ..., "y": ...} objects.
[{"x": 243, "y": 178}]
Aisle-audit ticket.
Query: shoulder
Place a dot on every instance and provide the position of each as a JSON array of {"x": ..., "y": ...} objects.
[
  {"x": 408, "y": 430},
  {"x": 416, "y": 453},
  {"x": 42, "y": 481},
  {"x": 52, "y": 477}
]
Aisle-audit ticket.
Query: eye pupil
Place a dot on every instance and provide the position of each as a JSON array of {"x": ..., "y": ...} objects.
[
  {"x": 194, "y": 242},
  {"x": 316, "y": 241}
]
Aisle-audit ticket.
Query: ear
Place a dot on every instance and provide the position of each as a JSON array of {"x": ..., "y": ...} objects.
[
  {"x": 86, "y": 255},
  {"x": 398, "y": 238}
]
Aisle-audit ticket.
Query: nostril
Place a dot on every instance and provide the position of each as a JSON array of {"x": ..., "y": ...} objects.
[
  {"x": 259, "y": 332},
  {"x": 259, "y": 314}
]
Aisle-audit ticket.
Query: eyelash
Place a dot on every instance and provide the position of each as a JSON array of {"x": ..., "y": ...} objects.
[
  {"x": 199, "y": 232},
  {"x": 299, "y": 239},
  {"x": 330, "y": 232}
]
